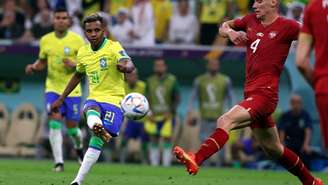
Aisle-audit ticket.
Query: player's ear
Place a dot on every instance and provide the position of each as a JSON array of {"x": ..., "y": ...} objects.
[{"x": 274, "y": 3}]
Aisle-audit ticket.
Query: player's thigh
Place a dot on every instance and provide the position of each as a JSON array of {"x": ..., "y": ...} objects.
[
  {"x": 268, "y": 139},
  {"x": 51, "y": 97},
  {"x": 91, "y": 105},
  {"x": 259, "y": 106},
  {"x": 72, "y": 111},
  {"x": 235, "y": 117},
  {"x": 112, "y": 117}
]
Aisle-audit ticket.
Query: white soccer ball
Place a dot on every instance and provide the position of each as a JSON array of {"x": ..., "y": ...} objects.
[{"x": 134, "y": 106}]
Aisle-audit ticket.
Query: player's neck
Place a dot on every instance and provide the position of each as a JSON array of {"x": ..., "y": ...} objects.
[
  {"x": 61, "y": 34},
  {"x": 99, "y": 45},
  {"x": 269, "y": 19}
]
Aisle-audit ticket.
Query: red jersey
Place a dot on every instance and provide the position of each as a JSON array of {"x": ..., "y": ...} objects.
[
  {"x": 267, "y": 50},
  {"x": 316, "y": 24}
]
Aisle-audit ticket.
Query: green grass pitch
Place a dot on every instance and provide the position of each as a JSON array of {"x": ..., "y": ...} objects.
[{"x": 32, "y": 172}]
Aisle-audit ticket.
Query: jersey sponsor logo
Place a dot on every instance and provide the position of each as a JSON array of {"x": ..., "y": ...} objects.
[
  {"x": 272, "y": 34},
  {"x": 260, "y": 34},
  {"x": 66, "y": 51},
  {"x": 103, "y": 64}
]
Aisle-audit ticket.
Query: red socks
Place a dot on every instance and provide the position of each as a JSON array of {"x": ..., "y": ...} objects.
[
  {"x": 211, "y": 145},
  {"x": 294, "y": 165}
]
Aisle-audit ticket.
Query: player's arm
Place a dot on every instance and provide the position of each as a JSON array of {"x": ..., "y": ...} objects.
[
  {"x": 228, "y": 30},
  {"x": 38, "y": 65},
  {"x": 75, "y": 80},
  {"x": 125, "y": 65},
  {"x": 303, "y": 52},
  {"x": 69, "y": 63}
]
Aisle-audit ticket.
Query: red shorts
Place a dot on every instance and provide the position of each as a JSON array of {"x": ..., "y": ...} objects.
[
  {"x": 260, "y": 106},
  {"x": 322, "y": 106}
]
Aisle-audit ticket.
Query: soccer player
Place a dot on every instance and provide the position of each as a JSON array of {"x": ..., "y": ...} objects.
[
  {"x": 314, "y": 34},
  {"x": 162, "y": 91},
  {"x": 268, "y": 38},
  {"x": 134, "y": 128},
  {"x": 104, "y": 62},
  {"x": 58, "y": 51}
]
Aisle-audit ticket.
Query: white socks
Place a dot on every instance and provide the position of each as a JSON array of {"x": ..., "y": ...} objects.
[
  {"x": 56, "y": 142},
  {"x": 77, "y": 139},
  {"x": 154, "y": 156},
  {"x": 90, "y": 158},
  {"x": 167, "y": 157}
]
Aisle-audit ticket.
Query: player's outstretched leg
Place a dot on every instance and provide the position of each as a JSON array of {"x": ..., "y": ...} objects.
[
  {"x": 56, "y": 142},
  {"x": 291, "y": 162},
  {"x": 269, "y": 141},
  {"x": 237, "y": 116},
  {"x": 211, "y": 145},
  {"x": 95, "y": 124},
  {"x": 90, "y": 158}
]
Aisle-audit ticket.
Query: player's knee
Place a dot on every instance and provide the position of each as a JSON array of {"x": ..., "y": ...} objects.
[
  {"x": 72, "y": 131},
  {"x": 54, "y": 124},
  {"x": 224, "y": 122}
]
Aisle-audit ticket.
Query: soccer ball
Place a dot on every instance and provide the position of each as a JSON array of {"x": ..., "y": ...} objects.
[{"x": 134, "y": 106}]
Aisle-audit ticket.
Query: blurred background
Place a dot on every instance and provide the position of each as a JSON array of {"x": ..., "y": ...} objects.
[{"x": 183, "y": 34}]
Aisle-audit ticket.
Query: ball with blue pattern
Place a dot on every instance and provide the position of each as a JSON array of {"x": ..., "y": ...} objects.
[{"x": 134, "y": 106}]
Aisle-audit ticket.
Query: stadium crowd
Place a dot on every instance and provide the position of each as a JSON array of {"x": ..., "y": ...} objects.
[
  {"x": 151, "y": 22},
  {"x": 139, "y": 22}
]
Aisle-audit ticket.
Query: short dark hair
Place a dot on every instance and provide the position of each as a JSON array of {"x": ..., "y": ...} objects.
[
  {"x": 61, "y": 9},
  {"x": 93, "y": 18}
]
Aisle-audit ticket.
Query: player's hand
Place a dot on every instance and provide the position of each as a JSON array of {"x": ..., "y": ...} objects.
[
  {"x": 237, "y": 37},
  {"x": 56, "y": 105},
  {"x": 68, "y": 63},
  {"x": 29, "y": 69}
]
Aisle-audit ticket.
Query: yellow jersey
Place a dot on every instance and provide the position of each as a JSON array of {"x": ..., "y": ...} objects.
[
  {"x": 140, "y": 87},
  {"x": 106, "y": 83},
  {"x": 163, "y": 11},
  {"x": 54, "y": 50}
]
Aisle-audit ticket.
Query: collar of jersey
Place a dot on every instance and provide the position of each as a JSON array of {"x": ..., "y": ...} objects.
[
  {"x": 101, "y": 46},
  {"x": 62, "y": 36}
]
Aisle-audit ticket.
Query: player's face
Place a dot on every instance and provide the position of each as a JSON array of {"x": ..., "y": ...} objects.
[
  {"x": 159, "y": 67},
  {"x": 61, "y": 21},
  {"x": 263, "y": 7},
  {"x": 94, "y": 32}
]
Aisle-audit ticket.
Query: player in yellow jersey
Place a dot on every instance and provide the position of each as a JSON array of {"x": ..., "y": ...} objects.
[
  {"x": 104, "y": 62},
  {"x": 58, "y": 52}
]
